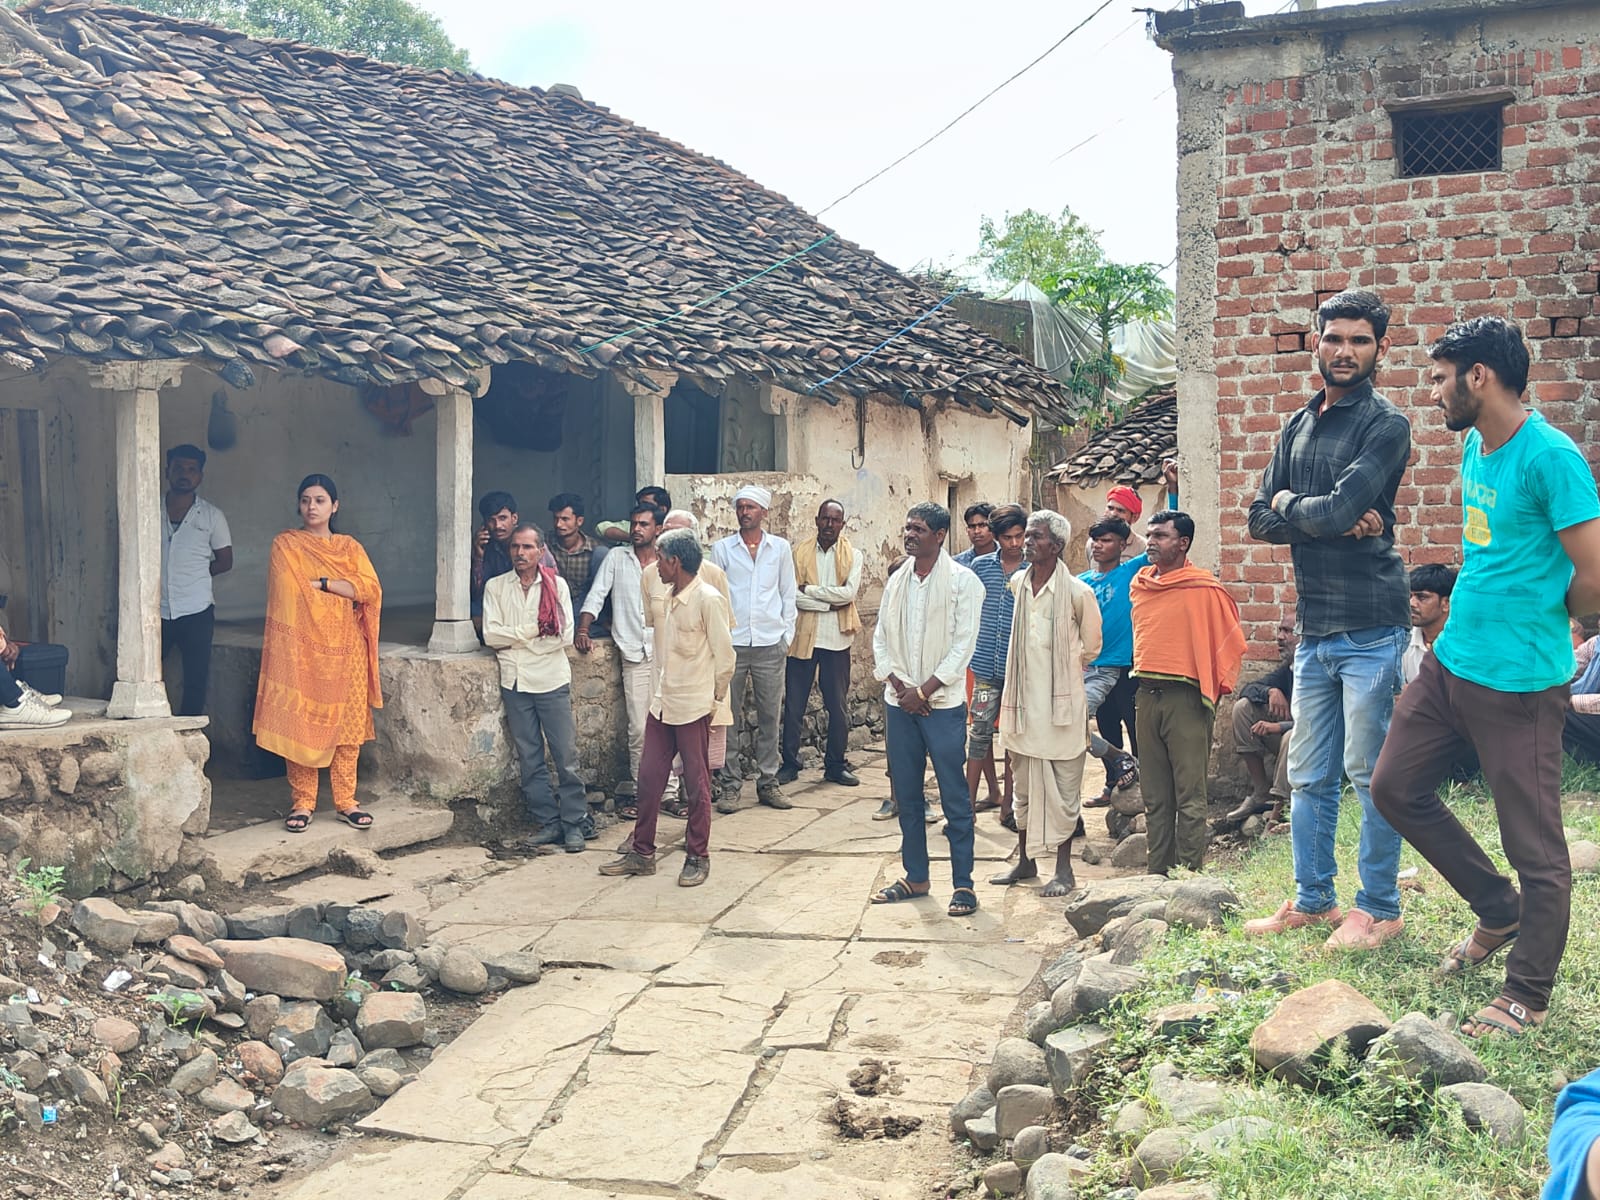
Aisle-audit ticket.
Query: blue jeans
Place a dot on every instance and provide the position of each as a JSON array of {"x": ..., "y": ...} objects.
[
  {"x": 912, "y": 741},
  {"x": 1344, "y": 690}
]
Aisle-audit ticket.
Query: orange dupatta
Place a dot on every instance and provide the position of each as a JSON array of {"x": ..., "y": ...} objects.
[{"x": 319, "y": 653}]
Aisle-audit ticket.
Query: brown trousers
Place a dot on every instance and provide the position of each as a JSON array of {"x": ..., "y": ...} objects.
[{"x": 1518, "y": 739}]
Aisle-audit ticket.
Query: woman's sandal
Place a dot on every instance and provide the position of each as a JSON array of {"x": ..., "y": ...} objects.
[
  {"x": 1487, "y": 942},
  {"x": 1100, "y": 801},
  {"x": 297, "y": 821},
  {"x": 357, "y": 818},
  {"x": 959, "y": 907},
  {"x": 1502, "y": 1017},
  {"x": 897, "y": 891}
]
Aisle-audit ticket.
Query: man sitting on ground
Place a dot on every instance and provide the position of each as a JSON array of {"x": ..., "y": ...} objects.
[
  {"x": 1431, "y": 585},
  {"x": 1260, "y": 721},
  {"x": 20, "y": 706}
]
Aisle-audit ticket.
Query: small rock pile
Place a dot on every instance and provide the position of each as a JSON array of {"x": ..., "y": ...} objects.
[
  {"x": 1125, "y": 822},
  {"x": 297, "y": 1013},
  {"x": 1016, "y": 1114}
]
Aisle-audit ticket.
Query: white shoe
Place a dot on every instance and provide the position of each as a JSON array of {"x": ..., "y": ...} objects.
[
  {"x": 48, "y": 699},
  {"x": 32, "y": 713}
]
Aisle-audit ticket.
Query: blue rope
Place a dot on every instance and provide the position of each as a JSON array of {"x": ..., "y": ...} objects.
[{"x": 815, "y": 387}]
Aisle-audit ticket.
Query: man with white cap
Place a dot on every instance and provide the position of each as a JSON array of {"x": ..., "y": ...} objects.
[{"x": 760, "y": 570}]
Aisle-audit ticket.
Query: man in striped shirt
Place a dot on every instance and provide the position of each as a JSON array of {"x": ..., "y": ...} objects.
[{"x": 988, "y": 668}]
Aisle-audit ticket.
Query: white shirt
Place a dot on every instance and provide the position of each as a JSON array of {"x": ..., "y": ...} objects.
[
  {"x": 620, "y": 577},
  {"x": 528, "y": 662},
  {"x": 186, "y": 556},
  {"x": 966, "y": 606},
  {"x": 763, "y": 589},
  {"x": 821, "y": 597},
  {"x": 1411, "y": 660}
]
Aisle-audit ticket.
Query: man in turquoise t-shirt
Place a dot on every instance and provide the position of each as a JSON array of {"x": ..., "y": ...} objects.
[
  {"x": 1107, "y": 684},
  {"x": 1497, "y": 678}
]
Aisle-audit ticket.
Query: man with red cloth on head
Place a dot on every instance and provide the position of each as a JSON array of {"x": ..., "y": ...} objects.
[{"x": 1187, "y": 649}]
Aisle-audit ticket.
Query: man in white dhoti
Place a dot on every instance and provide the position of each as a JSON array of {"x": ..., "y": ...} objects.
[{"x": 1055, "y": 633}]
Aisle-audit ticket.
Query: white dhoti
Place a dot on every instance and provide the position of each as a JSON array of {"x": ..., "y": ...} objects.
[{"x": 1046, "y": 799}]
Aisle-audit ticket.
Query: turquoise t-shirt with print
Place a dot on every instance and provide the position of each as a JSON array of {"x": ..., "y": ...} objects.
[{"x": 1508, "y": 612}]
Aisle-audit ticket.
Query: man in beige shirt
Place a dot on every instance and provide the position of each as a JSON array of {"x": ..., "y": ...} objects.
[
  {"x": 527, "y": 622},
  {"x": 693, "y": 662}
]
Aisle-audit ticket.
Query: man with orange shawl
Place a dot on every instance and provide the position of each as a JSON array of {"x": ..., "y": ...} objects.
[
  {"x": 319, "y": 656},
  {"x": 1187, "y": 649}
]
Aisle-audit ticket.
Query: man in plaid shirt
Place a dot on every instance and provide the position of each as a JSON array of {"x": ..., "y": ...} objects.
[{"x": 1328, "y": 494}]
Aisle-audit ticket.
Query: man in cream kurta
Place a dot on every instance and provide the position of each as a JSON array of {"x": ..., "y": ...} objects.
[
  {"x": 1044, "y": 713},
  {"x": 827, "y": 573}
]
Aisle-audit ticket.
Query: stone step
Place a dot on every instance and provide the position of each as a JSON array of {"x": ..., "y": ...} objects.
[{"x": 268, "y": 851}]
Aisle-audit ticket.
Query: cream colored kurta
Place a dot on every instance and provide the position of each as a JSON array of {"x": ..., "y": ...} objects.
[{"x": 1047, "y": 759}]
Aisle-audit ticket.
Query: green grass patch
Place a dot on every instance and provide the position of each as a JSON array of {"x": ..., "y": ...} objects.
[{"x": 1356, "y": 1139}]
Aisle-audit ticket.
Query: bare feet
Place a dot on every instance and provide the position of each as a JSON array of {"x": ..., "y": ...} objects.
[
  {"x": 1060, "y": 884},
  {"x": 1024, "y": 870}
]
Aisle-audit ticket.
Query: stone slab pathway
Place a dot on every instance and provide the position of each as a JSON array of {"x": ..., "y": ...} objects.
[{"x": 690, "y": 1043}]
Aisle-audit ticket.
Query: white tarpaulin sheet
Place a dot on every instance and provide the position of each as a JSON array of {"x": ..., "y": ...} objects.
[{"x": 1063, "y": 337}]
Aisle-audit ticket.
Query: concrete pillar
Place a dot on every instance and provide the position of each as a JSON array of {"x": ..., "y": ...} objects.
[
  {"x": 452, "y": 625},
  {"x": 136, "y": 391}
]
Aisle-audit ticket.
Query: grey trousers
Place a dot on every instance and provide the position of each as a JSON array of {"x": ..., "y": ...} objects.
[
  {"x": 762, "y": 669},
  {"x": 537, "y": 719}
]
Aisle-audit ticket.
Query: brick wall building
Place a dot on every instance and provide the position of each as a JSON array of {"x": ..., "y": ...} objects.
[{"x": 1444, "y": 153}]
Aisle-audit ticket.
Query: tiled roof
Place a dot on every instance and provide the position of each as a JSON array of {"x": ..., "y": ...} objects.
[
  {"x": 171, "y": 190},
  {"x": 1132, "y": 450}
]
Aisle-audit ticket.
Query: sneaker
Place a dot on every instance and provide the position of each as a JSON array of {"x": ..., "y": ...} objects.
[
  {"x": 32, "y": 713},
  {"x": 695, "y": 871},
  {"x": 573, "y": 840},
  {"x": 1362, "y": 931},
  {"x": 844, "y": 777},
  {"x": 48, "y": 699},
  {"x": 769, "y": 793},
  {"x": 787, "y": 774},
  {"x": 1289, "y": 917},
  {"x": 886, "y": 811},
  {"x": 630, "y": 864}
]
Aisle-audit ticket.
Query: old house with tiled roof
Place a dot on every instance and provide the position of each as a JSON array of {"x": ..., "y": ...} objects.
[{"x": 427, "y": 285}]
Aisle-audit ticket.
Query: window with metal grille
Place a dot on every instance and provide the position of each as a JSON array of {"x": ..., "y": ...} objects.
[{"x": 1451, "y": 142}]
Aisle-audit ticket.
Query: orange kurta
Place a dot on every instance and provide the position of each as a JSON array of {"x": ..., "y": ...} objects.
[{"x": 319, "y": 656}]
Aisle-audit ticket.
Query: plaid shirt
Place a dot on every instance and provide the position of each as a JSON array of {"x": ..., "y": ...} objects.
[{"x": 1336, "y": 467}]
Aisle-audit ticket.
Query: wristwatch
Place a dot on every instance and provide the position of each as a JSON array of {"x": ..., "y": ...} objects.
[{"x": 324, "y": 582}]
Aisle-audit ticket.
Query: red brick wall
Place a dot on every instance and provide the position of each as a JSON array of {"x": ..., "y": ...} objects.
[{"x": 1308, "y": 203}]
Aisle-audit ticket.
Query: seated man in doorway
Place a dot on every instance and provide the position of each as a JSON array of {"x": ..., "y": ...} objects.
[
  {"x": 1260, "y": 721},
  {"x": 20, "y": 706},
  {"x": 619, "y": 532},
  {"x": 578, "y": 556}
]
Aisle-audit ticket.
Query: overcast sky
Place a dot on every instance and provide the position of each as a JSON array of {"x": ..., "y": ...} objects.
[{"x": 811, "y": 99}]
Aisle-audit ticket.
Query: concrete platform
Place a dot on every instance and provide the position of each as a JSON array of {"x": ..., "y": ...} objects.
[{"x": 268, "y": 851}]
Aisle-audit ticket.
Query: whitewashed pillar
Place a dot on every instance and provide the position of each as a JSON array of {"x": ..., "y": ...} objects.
[
  {"x": 452, "y": 624},
  {"x": 649, "y": 395},
  {"x": 136, "y": 392}
]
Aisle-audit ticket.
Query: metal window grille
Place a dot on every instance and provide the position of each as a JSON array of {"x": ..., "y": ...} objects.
[{"x": 1448, "y": 143}]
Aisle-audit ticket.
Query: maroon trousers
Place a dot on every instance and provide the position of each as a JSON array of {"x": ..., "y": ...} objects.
[
  {"x": 661, "y": 742},
  {"x": 1517, "y": 736}
]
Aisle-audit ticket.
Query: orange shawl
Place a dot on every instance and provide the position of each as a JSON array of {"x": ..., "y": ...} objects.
[
  {"x": 319, "y": 654},
  {"x": 1186, "y": 625}
]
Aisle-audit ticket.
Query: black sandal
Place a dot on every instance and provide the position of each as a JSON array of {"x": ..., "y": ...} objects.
[
  {"x": 897, "y": 891},
  {"x": 678, "y": 808},
  {"x": 297, "y": 821},
  {"x": 357, "y": 818},
  {"x": 1124, "y": 772},
  {"x": 628, "y": 811},
  {"x": 958, "y": 907}
]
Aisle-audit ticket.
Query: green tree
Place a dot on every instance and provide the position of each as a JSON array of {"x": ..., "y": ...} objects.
[
  {"x": 391, "y": 30},
  {"x": 1112, "y": 294},
  {"x": 1034, "y": 246}
]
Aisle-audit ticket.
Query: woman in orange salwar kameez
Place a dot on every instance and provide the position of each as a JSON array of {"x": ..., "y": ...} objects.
[{"x": 319, "y": 658}]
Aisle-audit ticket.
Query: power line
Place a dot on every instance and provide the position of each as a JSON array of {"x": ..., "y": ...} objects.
[
  {"x": 815, "y": 387},
  {"x": 1101, "y": 132},
  {"x": 968, "y": 111}
]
